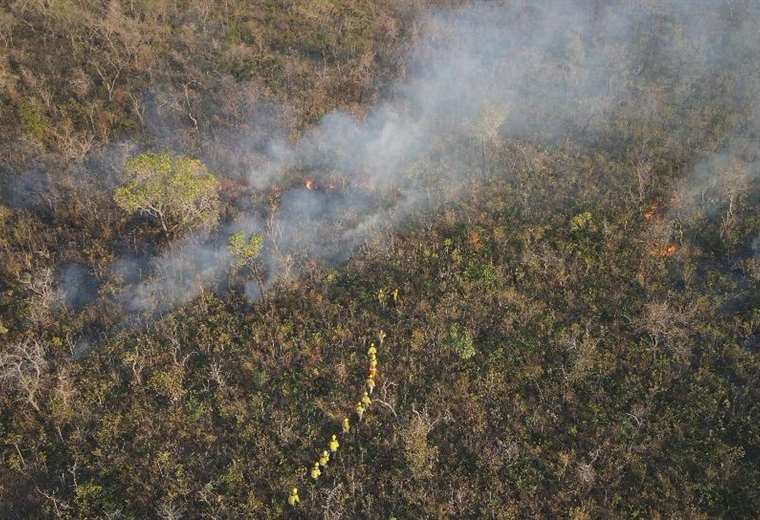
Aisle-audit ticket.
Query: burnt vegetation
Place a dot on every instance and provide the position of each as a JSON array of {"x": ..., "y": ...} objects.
[{"x": 568, "y": 275}]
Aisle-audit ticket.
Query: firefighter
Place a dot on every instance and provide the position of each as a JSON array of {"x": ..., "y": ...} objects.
[
  {"x": 315, "y": 472},
  {"x": 372, "y": 350},
  {"x": 334, "y": 444},
  {"x": 371, "y": 384},
  {"x": 346, "y": 425},
  {"x": 366, "y": 401},
  {"x": 324, "y": 458},
  {"x": 294, "y": 499},
  {"x": 359, "y": 410}
]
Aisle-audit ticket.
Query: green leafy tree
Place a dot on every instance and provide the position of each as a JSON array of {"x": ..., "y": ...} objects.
[
  {"x": 177, "y": 191},
  {"x": 245, "y": 250}
]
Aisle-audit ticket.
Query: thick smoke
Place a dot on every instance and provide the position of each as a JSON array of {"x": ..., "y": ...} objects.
[{"x": 523, "y": 70}]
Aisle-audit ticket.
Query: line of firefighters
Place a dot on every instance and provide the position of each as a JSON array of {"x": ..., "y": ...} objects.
[{"x": 361, "y": 407}]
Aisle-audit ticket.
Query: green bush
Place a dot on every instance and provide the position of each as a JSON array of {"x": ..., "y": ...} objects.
[
  {"x": 461, "y": 342},
  {"x": 34, "y": 123}
]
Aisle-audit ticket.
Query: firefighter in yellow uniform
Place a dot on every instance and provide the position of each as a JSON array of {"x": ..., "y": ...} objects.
[
  {"x": 346, "y": 425},
  {"x": 324, "y": 458},
  {"x": 294, "y": 499},
  {"x": 315, "y": 472},
  {"x": 366, "y": 401},
  {"x": 334, "y": 444},
  {"x": 359, "y": 410},
  {"x": 371, "y": 384}
]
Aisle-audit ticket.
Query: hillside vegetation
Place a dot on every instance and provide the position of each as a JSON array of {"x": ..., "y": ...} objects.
[{"x": 568, "y": 284}]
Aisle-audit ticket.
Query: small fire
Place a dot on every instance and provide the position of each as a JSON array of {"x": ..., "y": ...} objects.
[
  {"x": 666, "y": 251},
  {"x": 650, "y": 212},
  {"x": 312, "y": 184},
  {"x": 473, "y": 239}
]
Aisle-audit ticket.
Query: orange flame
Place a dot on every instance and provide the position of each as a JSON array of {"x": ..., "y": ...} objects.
[
  {"x": 310, "y": 184},
  {"x": 473, "y": 239},
  {"x": 666, "y": 251}
]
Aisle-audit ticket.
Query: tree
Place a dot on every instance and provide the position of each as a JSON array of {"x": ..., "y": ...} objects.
[
  {"x": 486, "y": 127},
  {"x": 176, "y": 190},
  {"x": 22, "y": 369},
  {"x": 245, "y": 252}
]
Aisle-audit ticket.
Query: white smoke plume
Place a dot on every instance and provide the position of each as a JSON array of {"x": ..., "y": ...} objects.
[{"x": 525, "y": 70}]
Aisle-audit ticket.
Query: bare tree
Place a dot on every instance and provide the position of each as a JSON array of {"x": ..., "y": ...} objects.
[
  {"x": 22, "y": 369},
  {"x": 170, "y": 511},
  {"x": 7, "y": 22},
  {"x": 42, "y": 295}
]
